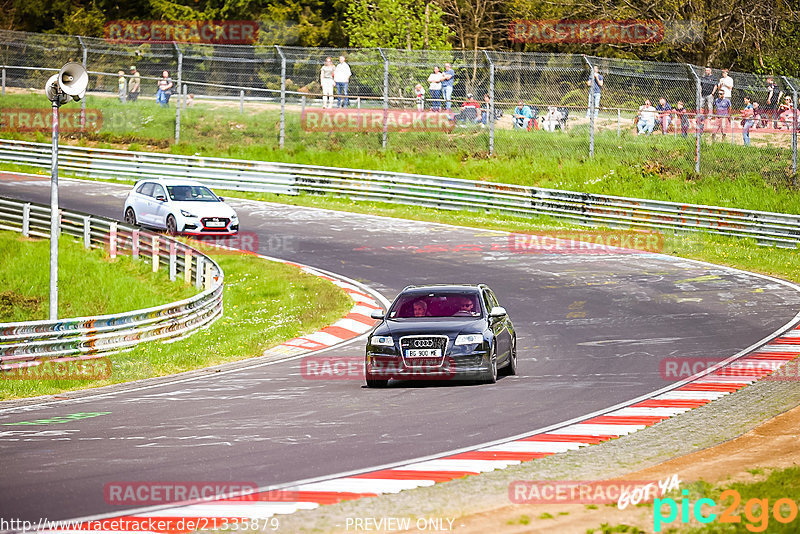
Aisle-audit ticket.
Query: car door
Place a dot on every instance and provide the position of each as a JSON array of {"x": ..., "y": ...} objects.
[
  {"x": 500, "y": 328},
  {"x": 142, "y": 203},
  {"x": 161, "y": 206}
]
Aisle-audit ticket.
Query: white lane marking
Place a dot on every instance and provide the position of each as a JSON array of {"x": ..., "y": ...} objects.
[
  {"x": 224, "y": 509},
  {"x": 362, "y": 485},
  {"x": 473, "y": 466}
]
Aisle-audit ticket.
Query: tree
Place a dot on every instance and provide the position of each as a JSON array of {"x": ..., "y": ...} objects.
[{"x": 405, "y": 24}]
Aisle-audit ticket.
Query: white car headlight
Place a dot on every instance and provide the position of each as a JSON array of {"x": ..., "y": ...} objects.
[
  {"x": 469, "y": 339},
  {"x": 187, "y": 214},
  {"x": 382, "y": 341}
]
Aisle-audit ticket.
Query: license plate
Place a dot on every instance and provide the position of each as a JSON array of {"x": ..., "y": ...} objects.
[
  {"x": 423, "y": 353},
  {"x": 215, "y": 224}
]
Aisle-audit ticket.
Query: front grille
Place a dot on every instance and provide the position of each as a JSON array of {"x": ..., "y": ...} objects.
[
  {"x": 217, "y": 220},
  {"x": 423, "y": 342}
]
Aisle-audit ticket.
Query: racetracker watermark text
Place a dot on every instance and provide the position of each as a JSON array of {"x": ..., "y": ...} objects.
[
  {"x": 182, "y": 31},
  {"x": 373, "y": 120},
  {"x": 592, "y": 242},
  {"x": 41, "y": 120}
]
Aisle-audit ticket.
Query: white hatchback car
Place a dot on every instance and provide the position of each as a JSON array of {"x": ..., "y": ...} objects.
[{"x": 179, "y": 207}]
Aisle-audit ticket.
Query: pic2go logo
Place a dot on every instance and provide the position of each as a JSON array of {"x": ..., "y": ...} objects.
[{"x": 756, "y": 511}]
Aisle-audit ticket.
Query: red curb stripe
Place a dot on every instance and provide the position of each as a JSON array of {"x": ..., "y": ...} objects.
[
  {"x": 499, "y": 455},
  {"x": 712, "y": 386},
  {"x": 785, "y": 341},
  {"x": 368, "y": 305},
  {"x": 361, "y": 318},
  {"x": 670, "y": 403},
  {"x": 574, "y": 438},
  {"x": 775, "y": 355},
  {"x": 436, "y": 476},
  {"x": 626, "y": 420},
  {"x": 319, "y": 497},
  {"x": 338, "y": 331},
  {"x": 746, "y": 372}
]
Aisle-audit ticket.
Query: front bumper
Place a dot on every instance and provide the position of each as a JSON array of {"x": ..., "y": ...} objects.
[{"x": 466, "y": 366}]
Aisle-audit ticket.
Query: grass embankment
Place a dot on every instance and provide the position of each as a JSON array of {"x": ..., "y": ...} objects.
[
  {"x": 266, "y": 303},
  {"x": 657, "y": 167}
]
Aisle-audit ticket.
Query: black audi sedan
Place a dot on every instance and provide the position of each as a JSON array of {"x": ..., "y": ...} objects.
[{"x": 441, "y": 332}]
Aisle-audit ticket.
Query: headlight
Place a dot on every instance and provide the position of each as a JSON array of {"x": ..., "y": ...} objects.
[
  {"x": 382, "y": 341},
  {"x": 469, "y": 339},
  {"x": 234, "y": 217},
  {"x": 187, "y": 214}
]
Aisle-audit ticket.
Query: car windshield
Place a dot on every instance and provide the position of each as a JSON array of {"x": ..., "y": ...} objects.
[
  {"x": 191, "y": 193},
  {"x": 436, "y": 304}
]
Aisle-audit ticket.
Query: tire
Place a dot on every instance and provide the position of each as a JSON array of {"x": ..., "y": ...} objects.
[
  {"x": 511, "y": 368},
  {"x": 130, "y": 217},
  {"x": 376, "y": 382},
  {"x": 172, "y": 226},
  {"x": 491, "y": 377}
]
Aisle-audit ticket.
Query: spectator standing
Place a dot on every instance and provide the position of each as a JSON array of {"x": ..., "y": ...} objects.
[
  {"x": 522, "y": 115},
  {"x": 771, "y": 104},
  {"x": 122, "y": 86},
  {"x": 748, "y": 119},
  {"x": 787, "y": 114},
  {"x": 447, "y": 84},
  {"x": 595, "y": 83},
  {"x": 725, "y": 84},
  {"x": 487, "y": 110},
  {"x": 647, "y": 118},
  {"x": 135, "y": 84},
  {"x": 164, "y": 91},
  {"x": 707, "y": 87},
  {"x": 664, "y": 114},
  {"x": 341, "y": 76},
  {"x": 435, "y": 87},
  {"x": 419, "y": 93},
  {"x": 683, "y": 117},
  {"x": 327, "y": 83},
  {"x": 723, "y": 114}
]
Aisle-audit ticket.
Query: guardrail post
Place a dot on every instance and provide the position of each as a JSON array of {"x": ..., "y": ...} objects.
[
  {"x": 155, "y": 253},
  {"x": 283, "y": 96},
  {"x": 198, "y": 272},
  {"x": 4, "y": 80},
  {"x": 590, "y": 109},
  {"x": 241, "y": 101},
  {"x": 83, "y": 100},
  {"x": 187, "y": 266},
  {"x": 302, "y": 106},
  {"x": 87, "y": 232},
  {"x": 135, "y": 244},
  {"x": 112, "y": 241},
  {"x": 26, "y": 219},
  {"x": 178, "y": 107},
  {"x": 385, "y": 97},
  {"x": 698, "y": 109},
  {"x": 173, "y": 261},
  {"x": 209, "y": 280},
  {"x": 490, "y": 111},
  {"x": 794, "y": 129}
]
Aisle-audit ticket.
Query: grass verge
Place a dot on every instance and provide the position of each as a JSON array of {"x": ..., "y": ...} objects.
[{"x": 266, "y": 303}]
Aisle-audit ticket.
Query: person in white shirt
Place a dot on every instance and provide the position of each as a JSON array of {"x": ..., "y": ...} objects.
[
  {"x": 435, "y": 80},
  {"x": 341, "y": 76},
  {"x": 326, "y": 81},
  {"x": 725, "y": 84},
  {"x": 647, "y": 118}
]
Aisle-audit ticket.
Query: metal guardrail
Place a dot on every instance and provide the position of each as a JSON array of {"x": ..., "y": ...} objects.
[
  {"x": 26, "y": 344},
  {"x": 443, "y": 193}
]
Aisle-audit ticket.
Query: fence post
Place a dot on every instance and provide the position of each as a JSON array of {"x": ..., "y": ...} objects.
[
  {"x": 178, "y": 107},
  {"x": 26, "y": 219},
  {"x": 198, "y": 273},
  {"x": 590, "y": 109},
  {"x": 385, "y": 97},
  {"x": 303, "y": 106},
  {"x": 241, "y": 101},
  {"x": 187, "y": 266},
  {"x": 619, "y": 121},
  {"x": 87, "y": 232},
  {"x": 83, "y": 100},
  {"x": 207, "y": 276},
  {"x": 4, "y": 80},
  {"x": 698, "y": 109},
  {"x": 135, "y": 244},
  {"x": 283, "y": 96},
  {"x": 791, "y": 86},
  {"x": 490, "y": 111},
  {"x": 183, "y": 96},
  {"x": 154, "y": 246},
  {"x": 112, "y": 240},
  {"x": 173, "y": 261}
]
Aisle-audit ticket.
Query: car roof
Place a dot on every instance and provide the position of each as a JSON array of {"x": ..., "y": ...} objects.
[
  {"x": 443, "y": 287},
  {"x": 170, "y": 181}
]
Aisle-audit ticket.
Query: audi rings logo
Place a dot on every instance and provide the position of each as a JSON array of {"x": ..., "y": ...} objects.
[{"x": 423, "y": 343}]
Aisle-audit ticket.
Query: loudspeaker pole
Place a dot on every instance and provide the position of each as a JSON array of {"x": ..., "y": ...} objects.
[{"x": 54, "y": 218}]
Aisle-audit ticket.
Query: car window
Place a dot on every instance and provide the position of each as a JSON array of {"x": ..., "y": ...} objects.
[
  {"x": 191, "y": 193},
  {"x": 146, "y": 189},
  {"x": 158, "y": 191},
  {"x": 487, "y": 300},
  {"x": 437, "y": 304},
  {"x": 492, "y": 298}
]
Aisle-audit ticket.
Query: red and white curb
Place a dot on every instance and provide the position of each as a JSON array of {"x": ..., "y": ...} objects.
[
  {"x": 727, "y": 377},
  {"x": 355, "y": 323}
]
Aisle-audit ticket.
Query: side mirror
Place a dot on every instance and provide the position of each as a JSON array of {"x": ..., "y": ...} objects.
[
  {"x": 378, "y": 315},
  {"x": 161, "y": 198},
  {"x": 221, "y": 199},
  {"x": 497, "y": 312}
]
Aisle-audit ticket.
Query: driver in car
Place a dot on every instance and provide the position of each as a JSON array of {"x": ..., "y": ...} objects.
[{"x": 466, "y": 306}]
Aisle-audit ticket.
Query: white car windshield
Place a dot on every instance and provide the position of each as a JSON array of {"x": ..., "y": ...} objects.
[{"x": 191, "y": 193}]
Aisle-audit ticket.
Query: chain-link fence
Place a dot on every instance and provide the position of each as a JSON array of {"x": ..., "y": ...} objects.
[{"x": 275, "y": 96}]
